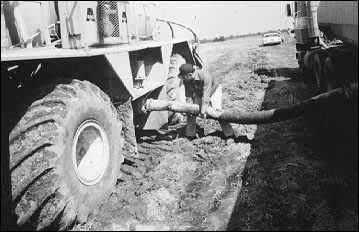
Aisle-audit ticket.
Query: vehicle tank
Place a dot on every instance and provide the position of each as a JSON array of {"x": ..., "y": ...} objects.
[
  {"x": 327, "y": 57},
  {"x": 341, "y": 17}
]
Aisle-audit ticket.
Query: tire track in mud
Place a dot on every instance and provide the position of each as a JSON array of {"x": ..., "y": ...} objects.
[
  {"x": 257, "y": 59},
  {"x": 189, "y": 182}
]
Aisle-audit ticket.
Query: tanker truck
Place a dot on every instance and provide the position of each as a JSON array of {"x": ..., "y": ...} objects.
[
  {"x": 74, "y": 77},
  {"x": 326, "y": 34}
]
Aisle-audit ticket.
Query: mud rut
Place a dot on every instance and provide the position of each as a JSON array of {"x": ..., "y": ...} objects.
[{"x": 209, "y": 183}]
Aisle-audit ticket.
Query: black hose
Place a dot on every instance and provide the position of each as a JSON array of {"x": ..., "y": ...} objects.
[
  {"x": 335, "y": 97},
  {"x": 339, "y": 96}
]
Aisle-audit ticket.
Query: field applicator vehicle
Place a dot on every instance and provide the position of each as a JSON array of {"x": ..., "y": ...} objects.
[{"x": 74, "y": 76}]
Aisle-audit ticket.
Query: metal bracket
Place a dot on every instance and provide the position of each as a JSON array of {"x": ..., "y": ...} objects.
[{"x": 74, "y": 36}]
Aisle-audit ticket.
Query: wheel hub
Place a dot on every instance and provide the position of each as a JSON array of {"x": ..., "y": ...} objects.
[{"x": 90, "y": 152}]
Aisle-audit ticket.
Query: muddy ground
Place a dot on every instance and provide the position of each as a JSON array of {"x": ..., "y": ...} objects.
[{"x": 300, "y": 174}]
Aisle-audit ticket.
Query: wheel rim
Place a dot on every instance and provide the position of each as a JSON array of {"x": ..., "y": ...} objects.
[{"x": 90, "y": 152}]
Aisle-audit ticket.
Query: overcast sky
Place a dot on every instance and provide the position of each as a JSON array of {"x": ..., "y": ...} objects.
[{"x": 214, "y": 18}]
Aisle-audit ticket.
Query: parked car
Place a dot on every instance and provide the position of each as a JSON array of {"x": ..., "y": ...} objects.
[{"x": 271, "y": 38}]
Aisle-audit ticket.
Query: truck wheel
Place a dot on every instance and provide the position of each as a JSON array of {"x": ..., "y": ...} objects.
[
  {"x": 306, "y": 74},
  {"x": 65, "y": 156},
  {"x": 318, "y": 73},
  {"x": 175, "y": 91},
  {"x": 329, "y": 74}
]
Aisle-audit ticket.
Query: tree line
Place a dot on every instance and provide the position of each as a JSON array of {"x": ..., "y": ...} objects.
[{"x": 224, "y": 38}]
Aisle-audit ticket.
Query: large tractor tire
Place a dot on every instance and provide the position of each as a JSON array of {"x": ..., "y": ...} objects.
[
  {"x": 175, "y": 90},
  {"x": 65, "y": 156}
]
